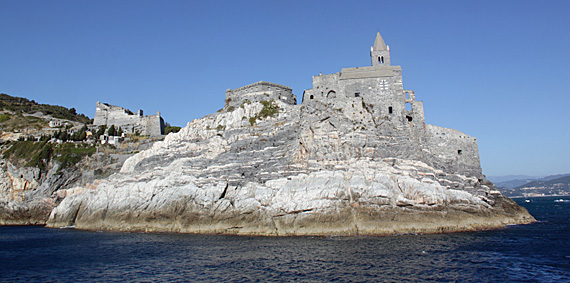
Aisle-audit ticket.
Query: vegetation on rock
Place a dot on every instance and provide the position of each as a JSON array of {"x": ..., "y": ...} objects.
[
  {"x": 269, "y": 110},
  {"x": 13, "y": 122},
  {"x": 39, "y": 154},
  {"x": 171, "y": 129},
  {"x": 16, "y": 104}
]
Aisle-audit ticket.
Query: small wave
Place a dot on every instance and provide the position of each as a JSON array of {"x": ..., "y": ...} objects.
[{"x": 67, "y": 227}]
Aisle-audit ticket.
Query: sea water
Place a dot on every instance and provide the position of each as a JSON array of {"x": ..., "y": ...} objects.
[{"x": 538, "y": 252}]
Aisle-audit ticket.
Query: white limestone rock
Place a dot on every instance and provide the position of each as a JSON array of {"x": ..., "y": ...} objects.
[{"x": 292, "y": 174}]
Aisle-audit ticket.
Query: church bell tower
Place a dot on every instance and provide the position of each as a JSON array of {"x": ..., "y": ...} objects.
[{"x": 380, "y": 52}]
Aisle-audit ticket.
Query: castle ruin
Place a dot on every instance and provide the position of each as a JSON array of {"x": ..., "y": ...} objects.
[
  {"x": 150, "y": 125},
  {"x": 260, "y": 91}
]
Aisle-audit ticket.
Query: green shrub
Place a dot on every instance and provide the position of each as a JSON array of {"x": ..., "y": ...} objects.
[
  {"x": 29, "y": 154},
  {"x": 111, "y": 131},
  {"x": 171, "y": 129},
  {"x": 4, "y": 118},
  {"x": 269, "y": 109},
  {"x": 22, "y": 104},
  {"x": 67, "y": 154},
  {"x": 244, "y": 103},
  {"x": 39, "y": 154}
]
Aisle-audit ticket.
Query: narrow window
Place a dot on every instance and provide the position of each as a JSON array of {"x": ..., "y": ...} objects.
[
  {"x": 379, "y": 60},
  {"x": 459, "y": 151},
  {"x": 390, "y": 110},
  {"x": 382, "y": 58},
  {"x": 311, "y": 97}
]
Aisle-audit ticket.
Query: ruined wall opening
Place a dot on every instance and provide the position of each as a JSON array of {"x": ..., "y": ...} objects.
[
  {"x": 357, "y": 94},
  {"x": 410, "y": 118},
  {"x": 390, "y": 110},
  {"x": 408, "y": 106},
  {"x": 459, "y": 152},
  {"x": 311, "y": 97}
]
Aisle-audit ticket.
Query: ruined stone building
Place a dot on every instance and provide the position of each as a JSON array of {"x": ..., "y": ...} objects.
[
  {"x": 150, "y": 125},
  {"x": 260, "y": 91}
]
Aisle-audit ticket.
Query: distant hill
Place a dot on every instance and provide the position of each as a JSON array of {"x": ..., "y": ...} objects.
[
  {"x": 546, "y": 186},
  {"x": 509, "y": 178},
  {"x": 16, "y": 104},
  {"x": 511, "y": 184},
  {"x": 561, "y": 182}
]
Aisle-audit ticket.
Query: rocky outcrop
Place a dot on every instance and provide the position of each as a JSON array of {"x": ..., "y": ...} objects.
[
  {"x": 28, "y": 194},
  {"x": 308, "y": 170},
  {"x": 25, "y": 192}
]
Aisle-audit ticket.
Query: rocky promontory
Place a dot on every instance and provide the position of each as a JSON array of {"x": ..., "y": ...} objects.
[
  {"x": 306, "y": 170},
  {"x": 354, "y": 158}
]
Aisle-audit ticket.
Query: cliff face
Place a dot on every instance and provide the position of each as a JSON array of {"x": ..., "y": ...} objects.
[
  {"x": 28, "y": 194},
  {"x": 308, "y": 169}
]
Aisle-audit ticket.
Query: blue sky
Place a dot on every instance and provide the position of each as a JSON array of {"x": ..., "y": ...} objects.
[{"x": 496, "y": 70}]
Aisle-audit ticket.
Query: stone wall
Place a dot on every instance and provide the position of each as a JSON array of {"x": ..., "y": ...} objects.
[
  {"x": 151, "y": 125},
  {"x": 260, "y": 91},
  {"x": 397, "y": 116},
  {"x": 456, "y": 149}
]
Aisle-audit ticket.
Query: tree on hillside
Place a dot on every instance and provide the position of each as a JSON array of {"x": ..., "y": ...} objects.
[
  {"x": 111, "y": 131},
  {"x": 101, "y": 131},
  {"x": 80, "y": 135}
]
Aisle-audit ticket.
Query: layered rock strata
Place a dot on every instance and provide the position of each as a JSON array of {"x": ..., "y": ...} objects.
[{"x": 311, "y": 169}]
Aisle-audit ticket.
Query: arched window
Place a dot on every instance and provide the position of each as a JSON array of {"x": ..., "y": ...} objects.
[
  {"x": 382, "y": 59},
  {"x": 331, "y": 94}
]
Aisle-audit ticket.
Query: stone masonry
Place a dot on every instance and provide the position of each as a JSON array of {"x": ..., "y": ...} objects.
[
  {"x": 150, "y": 125},
  {"x": 260, "y": 91},
  {"x": 380, "y": 90},
  {"x": 355, "y": 158}
]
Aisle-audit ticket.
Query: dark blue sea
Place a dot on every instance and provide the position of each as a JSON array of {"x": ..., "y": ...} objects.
[{"x": 538, "y": 252}]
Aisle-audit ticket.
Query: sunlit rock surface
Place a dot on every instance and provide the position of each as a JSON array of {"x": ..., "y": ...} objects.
[{"x": 311, "y": 169}]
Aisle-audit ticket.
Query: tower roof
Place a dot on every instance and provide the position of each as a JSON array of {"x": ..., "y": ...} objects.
[{"x": 379, "y": 43}]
